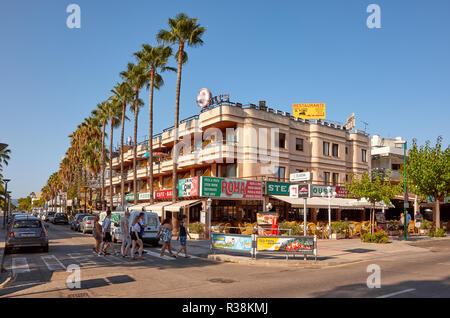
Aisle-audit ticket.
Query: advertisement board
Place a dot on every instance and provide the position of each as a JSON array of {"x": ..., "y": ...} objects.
[
  {"x": 309, "y": 111},
  {"x": 230, "y": 188},
  {"x": 163, "y": 194},
  {"x": 188, "y": 187},
  {"x": 232, "y": 242},
  {"x": 141, "y": 196},
  {"x": 277, "y": 188},
  {"x": 299, "y": 191},
  {"x": 291, "y": 244}
]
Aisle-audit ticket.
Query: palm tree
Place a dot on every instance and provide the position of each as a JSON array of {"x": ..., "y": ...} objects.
[
  {"x": 4, "y": 157},
  {"x": 155, "y": 58},
  {"x": 113, "y": 112},
  {"x": 183, "y": 30},
  {"x": 101, "y": 115},
  {"x": 136, "y": 76},
  {"x": 124, "y": 93}
]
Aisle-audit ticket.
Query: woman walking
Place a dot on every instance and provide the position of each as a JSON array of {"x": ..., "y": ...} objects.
[
  {"x": 136, "y": 237},
  {"x": 166, "y": 234},
  {"x": 183, "y": 232},
  {"x": 97, "y": 233}
]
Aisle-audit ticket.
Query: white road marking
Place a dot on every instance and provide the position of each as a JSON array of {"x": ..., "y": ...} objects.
[
  {"x": 83, "y": 260},
  {"x": 190, "y": 255},
  {"x": 52, "y": 263},
  {"x": 20, "y": 265},
  {"x": 167, "y": 258},
  {"x": 397, "y": 293}
]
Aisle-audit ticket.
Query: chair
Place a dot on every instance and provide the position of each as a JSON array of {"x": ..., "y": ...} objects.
[{"x": 411, "y": 227}]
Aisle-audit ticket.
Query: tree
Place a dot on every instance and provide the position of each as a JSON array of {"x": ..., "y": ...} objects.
[
  {"x": 183, "y": 30},
  {"x": 124, "y": 93},
  {"x": 4, "y": 159},
  {"x": 374, "y": 189},
  {"x": 155, "y": 59},
  {"x": 136, "y": 76},
  {"x": 24, "y": 203},
  {"x": 428, "y": 172}
]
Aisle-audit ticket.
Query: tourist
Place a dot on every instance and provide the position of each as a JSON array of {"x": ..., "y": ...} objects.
[
  {"x": 183, "y": 232},
  {"x": 97, "y": 234},
  {"x": 136, "y": 238},
  {"x": 125, "y": 234},
  {"x": 165, "y": 230}
]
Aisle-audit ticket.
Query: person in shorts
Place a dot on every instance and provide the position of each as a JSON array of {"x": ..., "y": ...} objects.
[
  {"x": 125, "y": 234},
  {"x": 107, "y": 238},
  {"x": 183, "y": 232},
  {"x": 136, "y": 237}
]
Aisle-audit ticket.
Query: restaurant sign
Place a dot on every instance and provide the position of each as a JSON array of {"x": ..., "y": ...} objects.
[
  {"x": 188, "y": 187},
  {"x": 141, "y": 196},
  {"x": 163, "y": 194},
  {"x": 341, "y": 192},
  {"x": 277, "y": 188},
  {"x": 231, "y": 188}
]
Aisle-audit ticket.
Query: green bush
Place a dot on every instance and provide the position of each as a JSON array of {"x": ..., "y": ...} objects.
[
  {"x": 439, "y": 233},
  {"x": 339, "y": 227},
  {"x": 196, "y": 228},
  {"x": 293, "y": 226},
  {"x": 377, "y": 237},
  {"x": 426, "y": 225}
]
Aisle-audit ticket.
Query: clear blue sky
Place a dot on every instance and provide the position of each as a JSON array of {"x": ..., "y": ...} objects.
[{"x": 395, "y": 78}]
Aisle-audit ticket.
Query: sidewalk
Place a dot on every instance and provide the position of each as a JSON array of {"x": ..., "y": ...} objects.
[
  {"x": 4, "y": 277},
  {"x": 330, "y": 253}
]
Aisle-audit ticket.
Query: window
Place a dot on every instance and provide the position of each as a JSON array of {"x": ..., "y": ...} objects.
[
  {"x": 326, "y": 148},
  {"x": 395, "y": 166},
  {"x": 227, "y": 170},
  {"x": 346, "y": 150},
  {"x": 299, "y": 144},
  {"x": 346, "y": 178},
  {"x": 298, "y": 170},
  {"x": 280, "y": 173},
  {"x": 335, "y": 179},
  {"x": 281, "y": 140},
  {"x": 364, "y": 155},
  {"x": 335, "y": 150},
  {"x": 326, "y": 178}
]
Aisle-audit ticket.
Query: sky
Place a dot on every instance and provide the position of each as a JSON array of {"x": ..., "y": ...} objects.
[{"x": 394, "y": 78}]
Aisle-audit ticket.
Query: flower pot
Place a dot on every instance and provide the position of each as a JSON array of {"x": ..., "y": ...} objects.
[
  {"x": 337, "y": 236},
  {"x": 424, "y": 231}
]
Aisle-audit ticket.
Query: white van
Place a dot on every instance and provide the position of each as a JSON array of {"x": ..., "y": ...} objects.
[{"x": 151, "y": 220}]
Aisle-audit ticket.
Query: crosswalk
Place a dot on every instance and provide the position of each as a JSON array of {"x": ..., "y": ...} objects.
[{"x": 53, "y": 263}]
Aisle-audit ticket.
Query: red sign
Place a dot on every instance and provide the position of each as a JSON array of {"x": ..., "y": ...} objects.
[
  {"x": 163, "y": 194},
  {"x": 342, "y": 192}
]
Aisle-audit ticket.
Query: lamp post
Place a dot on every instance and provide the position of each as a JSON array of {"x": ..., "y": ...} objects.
[
  {"x": 405, "y": 203},
  {"x": 329, "y": 196},
  {"x": 6, "y": 194},
  {"x": 208, "y": 207}
]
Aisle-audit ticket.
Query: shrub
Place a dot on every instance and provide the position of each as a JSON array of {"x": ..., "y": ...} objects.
[
  {"x": 377, "y": 237},
  {"x": 393, "y": 226},
  {"x": 196, "y": 228},
  {"x": 339, "y": 227},
  {"x": 426, "y": 225},
  {"x": 293, "y": 226},
  {"x": 439, "y": 233}
]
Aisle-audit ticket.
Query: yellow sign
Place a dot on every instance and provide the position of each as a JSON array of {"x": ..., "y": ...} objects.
[{"x": 309, "y": 111}]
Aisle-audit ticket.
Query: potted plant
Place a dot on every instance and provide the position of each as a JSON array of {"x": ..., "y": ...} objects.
[
  {"x": 392, "y": 228},
  {"x": 339, "y": 229},
  {"x": 425, "y": 227},
  {"x": 196, "y": 230}
]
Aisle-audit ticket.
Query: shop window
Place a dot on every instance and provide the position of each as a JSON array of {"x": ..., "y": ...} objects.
[
  {"x": 326, "y": 148},
  {"x": 299, "y": 144},
  {"x": 335, "y": 150}
]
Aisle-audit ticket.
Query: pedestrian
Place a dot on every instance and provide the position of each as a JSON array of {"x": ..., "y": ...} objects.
[
  {"x": 125, "y": 234},
  {"x": 183, "y": 232},
  {"x": 135, "y": 237},
  {"x": 97, "y": 233},
  {"x": 401, "y": 224},
  {"x": 418, "y": 218},
  {"x": 107, "y": 239},
  {"x": 143, "y": 226},
  {"x": 165, "y": 230}
]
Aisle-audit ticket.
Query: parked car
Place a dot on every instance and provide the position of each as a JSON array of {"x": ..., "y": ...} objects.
[
  {"x": 60, "y": 218},
  {"x": 87, "y": 224},
  {"x": 49, "y": 216},
  {"x": 76, "y": 220},
  {"x": 26, "y": 232}
]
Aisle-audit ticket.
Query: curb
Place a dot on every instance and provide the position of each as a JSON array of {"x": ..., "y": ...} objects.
[{"x": 8, "y": 281}]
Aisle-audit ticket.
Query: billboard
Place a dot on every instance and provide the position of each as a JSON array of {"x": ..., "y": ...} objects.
[
  {"x": 232, "y": 242},
  {"x": 309, "y": 111},
  {"x": 188, "y": 187},
  {"x": 231, "y": 188},
  {"x": 297, "y": 244}
]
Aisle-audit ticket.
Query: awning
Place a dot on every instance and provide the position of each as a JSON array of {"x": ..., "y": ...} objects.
[
  {"x": 180, "y": 204},
  {"x": 137, "y": 207},
  {"x": 157, "y": 207},
  {"x": 322, "y": 203}
]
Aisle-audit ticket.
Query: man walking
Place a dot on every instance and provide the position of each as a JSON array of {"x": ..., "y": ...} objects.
[
  {"x": 183, "y": 232},
  {"x": 125, "y": 234},
  {"x": 107, "y": 239}
]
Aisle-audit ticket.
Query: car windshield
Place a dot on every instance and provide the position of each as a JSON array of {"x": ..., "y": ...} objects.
[
  {"x": 59, "y": 215},
  {"x": 151, "y": 221},
  {"x": 27, "y": 224},
  {"x": 80, "y": 217}
]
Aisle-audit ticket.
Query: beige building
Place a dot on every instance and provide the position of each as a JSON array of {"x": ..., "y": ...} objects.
[{"x": 248, "y": 142}]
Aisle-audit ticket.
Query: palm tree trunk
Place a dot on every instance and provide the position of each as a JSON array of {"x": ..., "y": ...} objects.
[
  {"x": 135, "y": 146},
  {"x": 150, "y": 134},
  {"x": 177, "y": 112},
  {"x": 122, "y": 181},
  {"x": 110, "y": 164},
  {"x": 102, "y": 195},
  {"x": 437, "y": 212}
]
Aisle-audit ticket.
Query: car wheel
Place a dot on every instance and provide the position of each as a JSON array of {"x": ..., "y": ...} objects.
[{"x": 84, "y": 231}]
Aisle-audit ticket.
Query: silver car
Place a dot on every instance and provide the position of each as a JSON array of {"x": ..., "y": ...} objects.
[
  {"x": 26, "y": 232},
  {"x": 87, "y": 224}
]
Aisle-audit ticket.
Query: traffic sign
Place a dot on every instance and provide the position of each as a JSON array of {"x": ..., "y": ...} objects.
[{"x": 300, "y": 176}]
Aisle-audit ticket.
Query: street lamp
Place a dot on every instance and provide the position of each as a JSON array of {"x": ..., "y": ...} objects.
[
  {"x": 208, "y": 207},
  {"x": 6, "y": 192},
  {"x": 405, "y": 203},
  {"x": 329, "y": 196}
]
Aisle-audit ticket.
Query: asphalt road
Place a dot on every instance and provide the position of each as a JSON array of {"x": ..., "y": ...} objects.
[{"x": 423, "y": 274}]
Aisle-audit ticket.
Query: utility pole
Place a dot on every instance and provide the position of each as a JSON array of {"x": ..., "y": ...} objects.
[{"x": 6, "y": 195}]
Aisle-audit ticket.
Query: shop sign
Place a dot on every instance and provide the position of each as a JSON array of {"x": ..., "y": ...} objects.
[
  {"x": 296, "y": 244},
  {"x": 300, "y": 176},
  {"x": 163, "y": 194},
  {"x": 309, "y": 110},
  {"x": 277, "y": 188},
  {"x": 299, "y": 191},
  {"x": 188, "y": 187},
  {"x": 231, "y": 188},
  {"x": 317, "y": 190},
  {"x": 141, "y": 196},
  {"x": 232, "y": 242}
]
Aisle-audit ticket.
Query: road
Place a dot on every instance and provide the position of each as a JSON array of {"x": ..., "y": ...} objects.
[{"x": 422, "y": 274}]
